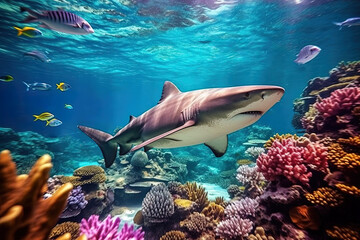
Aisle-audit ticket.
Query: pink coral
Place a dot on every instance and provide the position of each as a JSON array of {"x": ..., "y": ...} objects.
[
  {"x": 234, "y": 228},
  {"x": 287, "y": 158},
  {"x": 339, "y": 100},
  {"x": 94, "y": 229}
]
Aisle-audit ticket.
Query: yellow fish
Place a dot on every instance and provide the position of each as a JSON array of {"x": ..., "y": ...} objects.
[
  {"x": 29, "y": 32},
  {"x": 63, "y": 86},
  {"x": 244, "y": 162},
  {"x": 242, "y": 188},
  {"x": 6, "y": 78},
  {"x": 44, "y": 116}
]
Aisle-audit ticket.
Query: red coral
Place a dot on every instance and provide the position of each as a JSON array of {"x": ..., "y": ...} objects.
[{"x": 287, "y": 158}]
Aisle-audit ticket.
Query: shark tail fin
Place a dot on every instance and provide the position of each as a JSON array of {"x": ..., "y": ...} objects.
[
  {"x": 338, "y": 24},
  {"x": 103, "y": 140}
]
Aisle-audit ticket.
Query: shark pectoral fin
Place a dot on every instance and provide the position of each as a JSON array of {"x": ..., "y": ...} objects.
[
  {"x": 218, "y": 145},
  {"x": 151, "y": 140},
  {"x": 103, "y": 140},
  {"x": 124, "y": 148}
]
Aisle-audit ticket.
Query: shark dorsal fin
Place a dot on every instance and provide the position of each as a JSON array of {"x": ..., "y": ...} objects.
[
  {"x": 169, "y": 89},
  {"x": 131, "y": 118}
]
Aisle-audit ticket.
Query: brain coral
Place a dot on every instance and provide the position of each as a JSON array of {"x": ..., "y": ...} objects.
[
  {"x": 158, "y": 204},
  {"x": 139, "y": 159}
]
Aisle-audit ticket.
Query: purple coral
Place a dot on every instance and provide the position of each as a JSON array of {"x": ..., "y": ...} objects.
[
  {"x": 246, "y": 174},
  {"x": 108, "y": 229},
  {"x": 243, "y": 208},
  {"x": 76, "y": 202},
  {"x": 234, "y": 228},
  {"x": 158, "y": 204}
]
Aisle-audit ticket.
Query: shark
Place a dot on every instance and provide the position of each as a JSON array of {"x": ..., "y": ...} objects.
[{"x": 204, "y": 116}]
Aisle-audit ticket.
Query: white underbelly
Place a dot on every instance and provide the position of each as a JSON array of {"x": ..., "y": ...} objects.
[{"x": 204, "y": 133}]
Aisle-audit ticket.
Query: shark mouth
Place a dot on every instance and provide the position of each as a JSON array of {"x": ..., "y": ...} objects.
[{"x": 252, "y": 112}]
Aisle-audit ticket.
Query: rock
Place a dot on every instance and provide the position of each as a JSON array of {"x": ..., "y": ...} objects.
[{"x": 139, "y": 159}]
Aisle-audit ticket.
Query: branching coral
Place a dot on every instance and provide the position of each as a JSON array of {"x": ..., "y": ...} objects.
[
  {"x": 177, "y": 188},
  {"x": 325, "y": 196},
  {"x": 243, "y": 208},
  {"x": 67, "y": 227},
  {"x": 234, "y": 228},
  {"x": 254, "y": 152},
  {"x": 197, "y": 194},
  {"x": 287, "y": 158},
  {"x": 173, "y": 235},
  {"x": 214, "y": 211},
  {"x": 221, "y": 201},
  {"x": 158, "y": 205},
  {"x": 24, "y": 214},
  {"x": 343, "y": 233},
  {"x": 251, "y": 178},
  {"x": 94, "y": 229}
]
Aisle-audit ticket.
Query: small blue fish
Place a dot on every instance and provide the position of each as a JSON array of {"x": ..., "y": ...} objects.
[
  {"x": 307, "y": 54},
  {"x": 37, "y": 86},
  {"x": 349, "y": 22},
  {"x": 38, "y": 55},
  {"x": 53, "y": 122},
  {"x": 68, "y": 106}
]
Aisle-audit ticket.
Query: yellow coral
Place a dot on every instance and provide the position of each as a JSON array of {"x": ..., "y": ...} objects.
[
  {"x": 325, "y": 196},
  {"x": 343, "y": 233},
  {"x": 197, "y": 194},
  {"x": 352, "y": 190},
  {"x": 24, "y": 214},
  {"x": 174, "y": 235},
  {"x": 260, "y": 235},
  {"x": 278, "y": 137},
  {"x": 88, "y": 171},
  {"x": 329, "y": 89},
  {"x": 221, "y": 201},
  {"x": 214, "y": 211},
  {"x": 67, "y": 227},
  {"x": 85, "y": 179},
  {"x": 345, "y": 154},
  {"x": 183, "y": 203}
]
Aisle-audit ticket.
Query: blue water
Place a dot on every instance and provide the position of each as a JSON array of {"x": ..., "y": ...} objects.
[{"x": 120, "y": 69}]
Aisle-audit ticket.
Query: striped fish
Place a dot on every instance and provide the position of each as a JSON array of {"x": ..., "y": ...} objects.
[{"x": 60, "y": 21}]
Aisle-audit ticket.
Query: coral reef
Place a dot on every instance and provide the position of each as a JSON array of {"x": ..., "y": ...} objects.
[
  {"x": 244, "y": 208},
  {"x": 24, "y": 214},
  {"x": 158, "y": 205},
  {"x": 94, "y": 229},
  {"x": 251, "y": 179},
  {"x": 28, "y": 146},
  {"x": 325, "y": 196},
  {"x": 173, "y": 235},
  {"x": 196, "y": 224},
  {"x": 254, "y": 152},
  {"x": 197, "y": 194},
  {"x": 259, "y": 235},
  {"x": 215, "y": 212},
  {"x": 139, "y": 159},
  {"x": 345, "y": 75},
  {"x": 67, "y": 227}
]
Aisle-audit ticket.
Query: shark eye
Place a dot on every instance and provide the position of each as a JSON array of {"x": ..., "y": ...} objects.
[{"x": 247, "y": 95}]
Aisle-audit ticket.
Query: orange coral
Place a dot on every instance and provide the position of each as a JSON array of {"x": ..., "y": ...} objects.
[
  {"x": 214, "y": 211},
  {"x": 173, "y": 235},
  {"x": 279, "y": 137},
  {"x": 345, "y": 154},
  {"x": 325, "y": 196},
  {"x": 24, "y": 214},
  {"x": 352, "y": 190},
  {"x": 343, "y": 233},
  {"x": 197, "y": 194},
  {"x": 67, "y": 227},
  {"x": 305, "y": 217}
]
